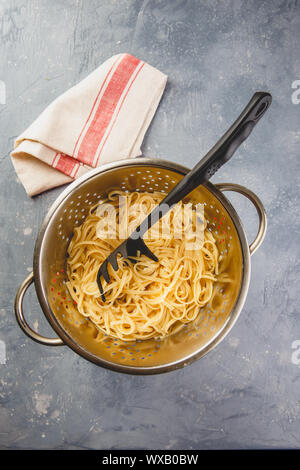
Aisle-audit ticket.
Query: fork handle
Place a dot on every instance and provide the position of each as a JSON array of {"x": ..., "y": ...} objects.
[{"x": 220, "y": 153}]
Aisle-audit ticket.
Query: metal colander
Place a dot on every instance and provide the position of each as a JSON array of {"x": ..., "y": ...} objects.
[{"x": 148, "y": 356}]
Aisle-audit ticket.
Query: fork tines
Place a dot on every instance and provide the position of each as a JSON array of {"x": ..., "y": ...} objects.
[{"x": 127, "y": 249}]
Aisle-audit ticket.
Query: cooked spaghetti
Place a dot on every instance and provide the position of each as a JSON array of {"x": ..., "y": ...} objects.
[{"x": 144, "y": 298}]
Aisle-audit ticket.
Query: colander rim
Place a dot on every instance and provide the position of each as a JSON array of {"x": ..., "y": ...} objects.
[{"x": 140, "y": 370}]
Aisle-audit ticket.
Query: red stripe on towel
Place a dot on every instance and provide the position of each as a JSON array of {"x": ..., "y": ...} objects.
[
  {"x": 93, "y": 107},
  {"x": 118, "y": 113},
  {"x": 106, "y": 109},
  {"x": 65, "y": 164}
]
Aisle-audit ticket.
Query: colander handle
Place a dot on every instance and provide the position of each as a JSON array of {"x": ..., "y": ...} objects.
[
  {"x": 258, "y": 206},
  {"x": 21, "y": 319}
]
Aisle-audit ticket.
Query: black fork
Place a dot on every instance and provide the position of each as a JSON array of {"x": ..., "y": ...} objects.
[{"x": 202, "y": 172}]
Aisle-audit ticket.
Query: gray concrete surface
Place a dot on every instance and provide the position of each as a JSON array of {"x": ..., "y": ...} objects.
[{"x": 245, "y": 393}]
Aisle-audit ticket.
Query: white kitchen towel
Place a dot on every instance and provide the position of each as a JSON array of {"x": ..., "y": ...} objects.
[{"x": 101, "y": 119}]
